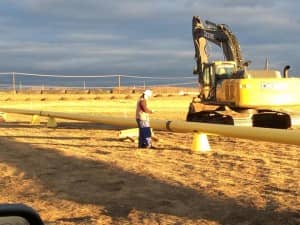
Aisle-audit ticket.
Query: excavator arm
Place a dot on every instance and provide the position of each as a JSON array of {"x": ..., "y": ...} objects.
[{"x": 218, "y": 34}]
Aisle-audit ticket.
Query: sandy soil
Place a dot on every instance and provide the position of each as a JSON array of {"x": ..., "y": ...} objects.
[{"x": 81, "y": 173}]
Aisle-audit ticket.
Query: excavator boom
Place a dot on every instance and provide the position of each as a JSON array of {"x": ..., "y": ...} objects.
[{"x": 219, "y": 34}]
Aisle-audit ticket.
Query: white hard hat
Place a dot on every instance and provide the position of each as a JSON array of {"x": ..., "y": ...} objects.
[{"x": 148, "y": 93}]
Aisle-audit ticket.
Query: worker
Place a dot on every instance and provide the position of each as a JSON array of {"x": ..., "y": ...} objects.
[{"x": 143, "y": 120}]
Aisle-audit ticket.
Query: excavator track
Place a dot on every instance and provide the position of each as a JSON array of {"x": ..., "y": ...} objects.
[
  {"x": 224, "y": 115},
  {"x": 272, "y": 119},
  {"x": 210, "y": 117}
]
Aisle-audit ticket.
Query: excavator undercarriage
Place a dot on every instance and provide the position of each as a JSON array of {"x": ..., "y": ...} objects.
[{"x": 222, "y": 114}]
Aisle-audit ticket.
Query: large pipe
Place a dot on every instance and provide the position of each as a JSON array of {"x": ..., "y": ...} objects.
[{"x": 251, "y": 133}]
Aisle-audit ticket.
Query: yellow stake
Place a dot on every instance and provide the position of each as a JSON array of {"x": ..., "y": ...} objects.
[
  {"x": 35, "y": 120},
  {"x": 3, "y": 117},
  {"x": 51, "y": 122}
]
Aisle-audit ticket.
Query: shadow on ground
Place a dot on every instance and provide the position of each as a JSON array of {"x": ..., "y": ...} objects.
[{"x": 88, "y": 181}]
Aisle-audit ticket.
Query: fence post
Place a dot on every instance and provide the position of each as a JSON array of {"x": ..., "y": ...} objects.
[
  {"x": 20, "y": 85},
  {"x": 14, "y": 82},
  {"x": 119, "y": 83}
]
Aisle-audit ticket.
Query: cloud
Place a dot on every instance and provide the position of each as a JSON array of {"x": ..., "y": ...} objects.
[
  {"x": 89, "y": 37},
  {"x": 273, "y": 52},
  {"x": 138, "y": 36},
  {"x": 94, "y": 57}
]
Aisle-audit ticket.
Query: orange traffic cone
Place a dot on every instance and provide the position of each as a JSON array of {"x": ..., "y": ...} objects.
[{"x": 200, "y": 143}]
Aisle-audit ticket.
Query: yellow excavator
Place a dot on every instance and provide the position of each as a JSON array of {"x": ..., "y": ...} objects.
[{"x": 232, "y": 94}]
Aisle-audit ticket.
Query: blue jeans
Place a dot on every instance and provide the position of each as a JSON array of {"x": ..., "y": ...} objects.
[{"x": 144, "y": 133}]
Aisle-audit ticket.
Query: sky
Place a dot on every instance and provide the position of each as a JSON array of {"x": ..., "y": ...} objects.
[{"x": 140, "y": 37}]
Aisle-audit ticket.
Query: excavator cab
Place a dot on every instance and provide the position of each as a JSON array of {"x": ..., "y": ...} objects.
[{"x": 212, "y": 75}]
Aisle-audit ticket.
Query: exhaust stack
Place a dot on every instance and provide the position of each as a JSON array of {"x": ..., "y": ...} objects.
[{"x": 286, "y": 71}]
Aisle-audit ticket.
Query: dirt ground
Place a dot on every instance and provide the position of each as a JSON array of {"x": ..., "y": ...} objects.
[{"x": 82, "y": 173}]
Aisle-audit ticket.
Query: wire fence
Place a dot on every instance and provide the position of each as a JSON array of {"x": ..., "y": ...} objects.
[{"x": 19, "y": 81}]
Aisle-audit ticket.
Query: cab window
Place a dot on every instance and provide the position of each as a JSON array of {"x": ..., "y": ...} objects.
[{"x": 225, "y": 70}]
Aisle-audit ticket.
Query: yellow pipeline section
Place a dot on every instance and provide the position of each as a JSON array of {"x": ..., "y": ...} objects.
[{"x": 252, "y": 133}]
